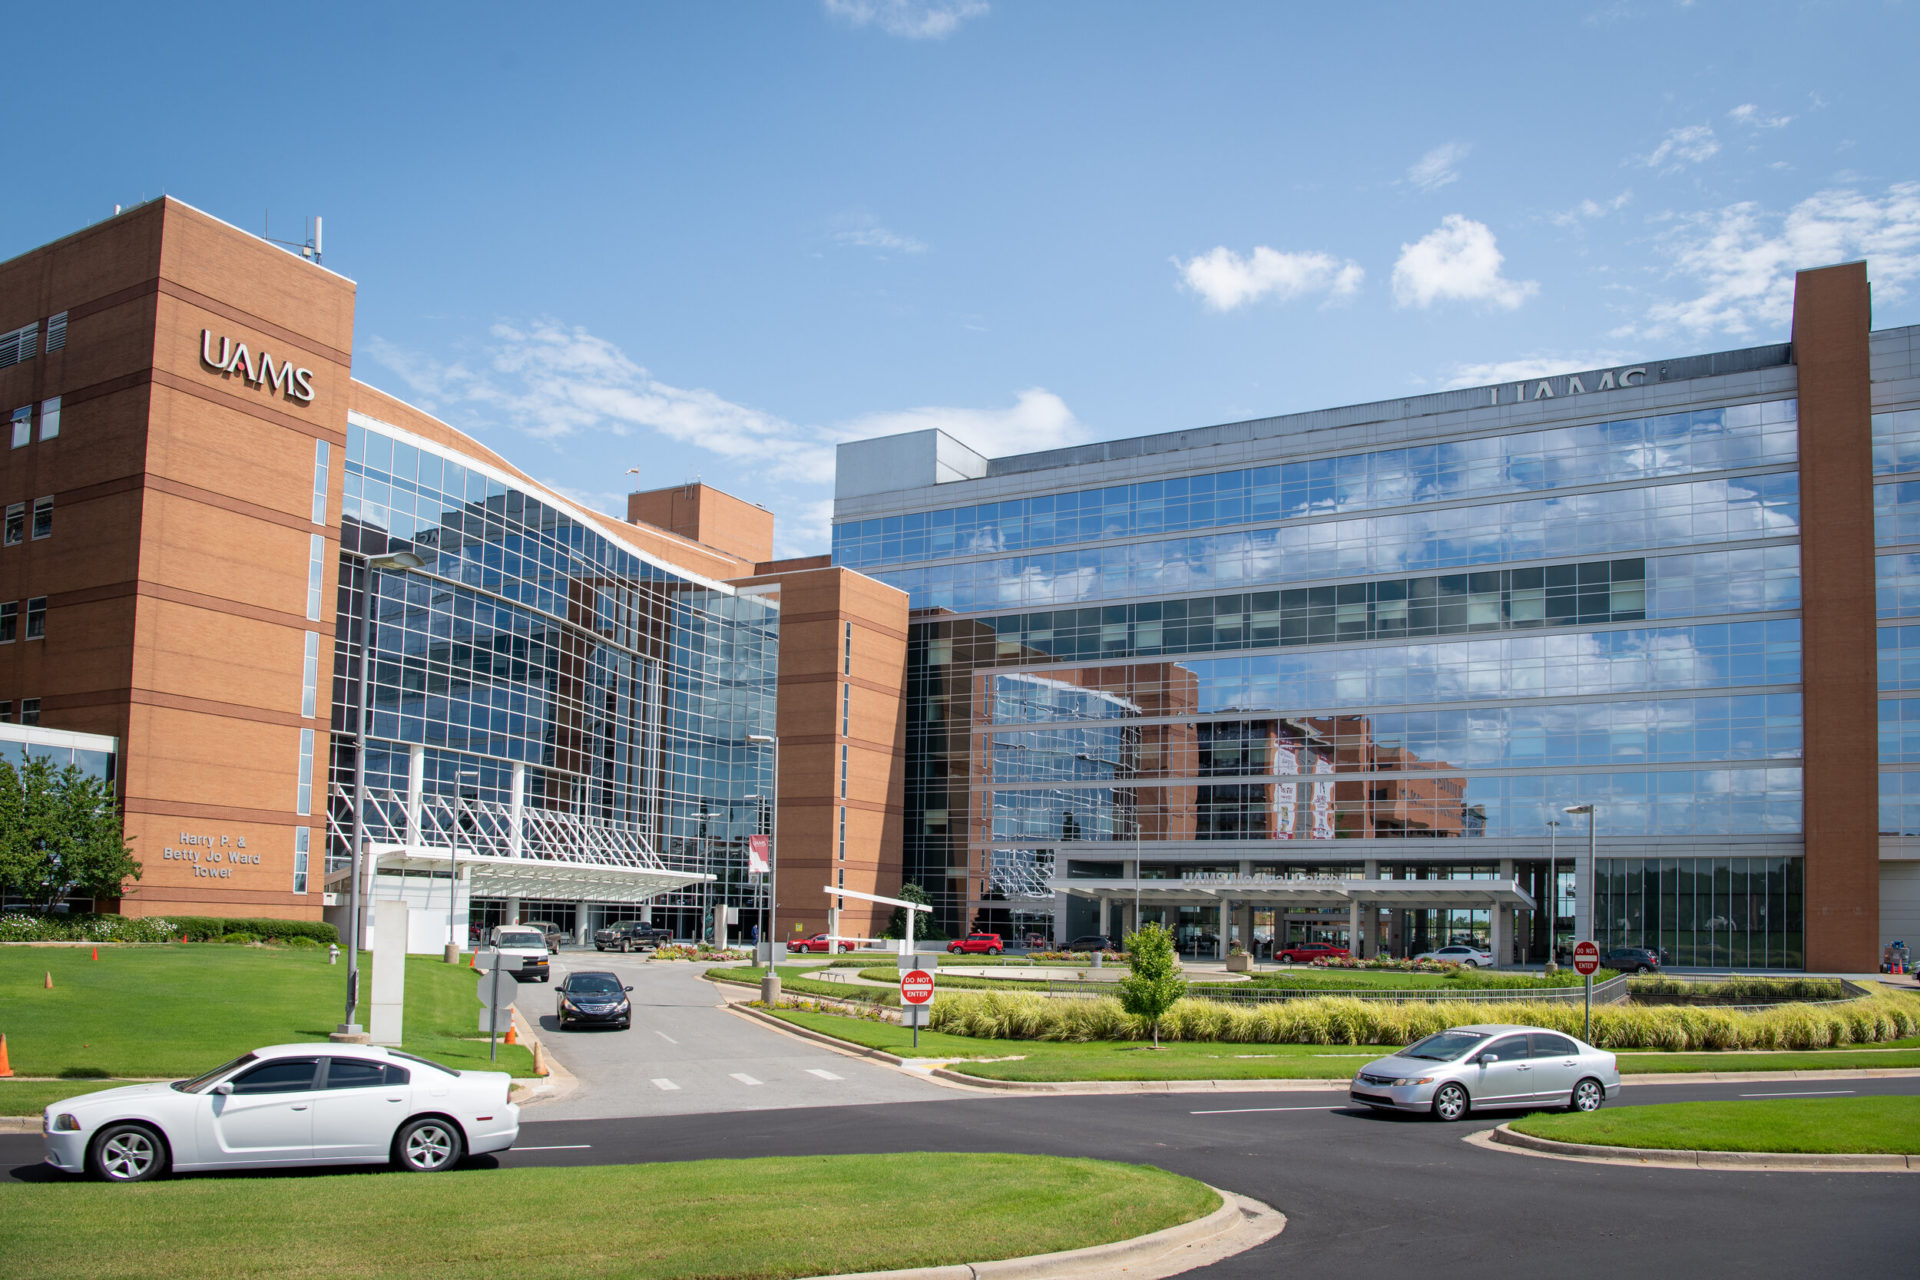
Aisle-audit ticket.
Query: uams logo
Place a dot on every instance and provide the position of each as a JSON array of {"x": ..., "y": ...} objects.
[
  {"x": 1570, "y": 385},
  {"x": 233, "y": 357}
]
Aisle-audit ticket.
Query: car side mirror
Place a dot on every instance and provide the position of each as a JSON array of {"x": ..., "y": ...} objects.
[
  {"x": 1488, "y": 1059},
  {"x": 224, "y": 1088},
  {"x": 626, "y": 988}
]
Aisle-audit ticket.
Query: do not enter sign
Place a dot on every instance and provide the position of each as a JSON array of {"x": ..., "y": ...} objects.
[
  {"x": 1586, "y": 959},
  {"x": 916, "y": 986}
]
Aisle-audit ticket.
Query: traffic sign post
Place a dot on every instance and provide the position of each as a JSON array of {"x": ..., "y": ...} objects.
[
  {"x": 916, "y": 991},
  {"x": 1586, "y": 960},
  {"x": 496, "y": 991}
]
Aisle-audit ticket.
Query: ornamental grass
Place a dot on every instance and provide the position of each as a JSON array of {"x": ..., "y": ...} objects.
[{"x": 998, "y": 1015}]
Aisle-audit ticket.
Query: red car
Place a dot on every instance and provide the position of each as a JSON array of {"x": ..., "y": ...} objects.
[
  {"x": 1307, "y": 952},
  {"x": 977, "y": 943},
  {"x": 819, "y": 942}
]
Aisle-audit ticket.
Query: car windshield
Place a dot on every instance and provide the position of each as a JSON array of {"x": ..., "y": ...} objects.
[
  {"x": 522, "y": 938},
  {"x": 1443, "y": 1046},
  {"x": 594, "y": 984},
  {"x": 200, "y": 1082}
]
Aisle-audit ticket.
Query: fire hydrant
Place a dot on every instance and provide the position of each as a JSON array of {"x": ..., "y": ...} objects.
[{"x": 333, "y": 953}]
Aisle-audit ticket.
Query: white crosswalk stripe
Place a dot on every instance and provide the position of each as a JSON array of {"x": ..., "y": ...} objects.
[
  {"x": 824, "y": 1075},
  {"x": 744, "y": 1078},
  {"x": 664, "y": 1084}
]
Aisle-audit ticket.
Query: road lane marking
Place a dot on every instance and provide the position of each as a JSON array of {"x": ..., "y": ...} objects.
[
  {"x": 664, "y": 1036},
  {"x": 1803, "y": 1093},
  {"x": 1240, "y": 1111},
  {"x": 660, "y": 1083},
  {"x": 578, "y": 1146},
  {"x": 824, "y": 1075},
  {"x": 743, "y": 1077}
]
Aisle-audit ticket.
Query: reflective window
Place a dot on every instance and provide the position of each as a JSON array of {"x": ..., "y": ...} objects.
[
  {"x": 310, "y": 675},
  {"x": 23, "y": 426},
  {"x": 1896, "y": 442},
  {"x": 302, "y": 845},
  {"x": 281, "y": 1075},
  {"x": 1718, "y": 913},
  {"x": 50, "y": 418},
  {"x": 42, "y": 518},
  {"x": 37, "y": 618},
  {"x": 303, "y": 792},
  {"x": 16, "y": 523},
  {"x": 359, "y": 1073},
  {"x": 322, "y": 463},
  {"x": 1899, "y": 657},
  {"x": 316, "y": 570},
  {"x": 1560, "y": 457}
]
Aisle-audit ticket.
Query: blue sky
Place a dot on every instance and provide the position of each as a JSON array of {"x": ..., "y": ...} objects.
[{"x": 713, "y": 239}]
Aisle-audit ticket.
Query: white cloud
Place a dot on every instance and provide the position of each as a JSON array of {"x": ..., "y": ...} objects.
[
  {"x": 1738, "y": 261},
  {"x": 913, "y": 19},
  {"x": 1750, "y": 115},
  {"x": 1439, "y": 166},
  {"x": 559, "y": 383},
  {"x": 865, "y": 233},
  {"x": 1458, "y": 261},
  {"x": 1037, "y": 420},
  {"x": 1226, "y": 280},
  {"x": 1533, "y": 366},
  {"x": 1590, "y": 210},
  {"x": 1689, "y": 144}
]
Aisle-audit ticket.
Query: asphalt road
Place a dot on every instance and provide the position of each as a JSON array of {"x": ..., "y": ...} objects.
[{"x": 686, "y": 1054}]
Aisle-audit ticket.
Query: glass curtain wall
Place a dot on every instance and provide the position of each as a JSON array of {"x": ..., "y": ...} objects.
[{"x": 618, "y": 689}]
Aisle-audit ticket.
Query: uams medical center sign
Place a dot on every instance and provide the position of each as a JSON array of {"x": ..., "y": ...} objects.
[{"x": 224, "y": 355}]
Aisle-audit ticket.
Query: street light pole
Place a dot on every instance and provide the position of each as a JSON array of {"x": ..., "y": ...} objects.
[
  {"x": 1583, "y": 906},
  {"x": 1553, "y": 890},
  {"x": 453, "y": 851},
  {"x": 773, "y": 872},
  {"x": 350, "y": 1028}
]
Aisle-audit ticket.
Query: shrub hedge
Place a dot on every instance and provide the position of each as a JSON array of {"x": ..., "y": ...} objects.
[
  {"x": 1739, "y": 989},
  {"x": 1335, "y": 1020},
  {"x": 83, "y": 927}
]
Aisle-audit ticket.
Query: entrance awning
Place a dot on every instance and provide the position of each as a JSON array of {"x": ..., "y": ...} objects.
[
  {"x": 1409, "y": 894},
  {"x": 497, "y": 877}
]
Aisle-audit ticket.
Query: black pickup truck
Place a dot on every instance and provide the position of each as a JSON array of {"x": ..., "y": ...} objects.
[{"x": 630, "y": 935}]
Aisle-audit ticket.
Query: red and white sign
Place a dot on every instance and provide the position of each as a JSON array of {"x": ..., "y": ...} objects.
[
  {"x": 1586, "y": 959},
  {"x": 757, "y": 855},
  {"x": 916, "y": 986}
]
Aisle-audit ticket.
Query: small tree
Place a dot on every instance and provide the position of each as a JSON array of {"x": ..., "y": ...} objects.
[
  {"x": 927, "y": 925},
  {"x": 60, "y": 835},
  {"x": 1154, "y": 982}
]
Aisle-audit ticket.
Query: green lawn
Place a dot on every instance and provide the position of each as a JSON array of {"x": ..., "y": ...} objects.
[
  {"x": 178, "y": 1009},
  {"x": 794, "y": 980},
  {"x": 1101, "y": 1060},
  {"x": 1047, "y": 1060},
  {"x": 1883, "y": 1126},
  {"x": 30, "y": 1097},
  {"x": 713, "y": 1218}
]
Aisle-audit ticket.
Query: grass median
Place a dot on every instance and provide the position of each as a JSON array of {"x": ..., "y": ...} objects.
[
  {"x": 1056, "y": 1061},
  {"x": 710, "y": 1218},
  {"x": 176, "y": 1009},
  {"x": 1815, "y": 1126}
]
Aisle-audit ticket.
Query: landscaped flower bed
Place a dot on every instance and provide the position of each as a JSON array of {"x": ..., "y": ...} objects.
[{"x": 1337, "y": 1020}]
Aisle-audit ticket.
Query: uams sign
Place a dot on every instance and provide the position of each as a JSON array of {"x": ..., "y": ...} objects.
[
  {"x": 233, "y": 357},
  {"x": 1572, "y": 384}
]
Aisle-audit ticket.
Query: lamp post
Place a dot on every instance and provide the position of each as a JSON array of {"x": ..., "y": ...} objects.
[
  {"x": 1553, "y": 890},
  {"x": 1583, "y": 906},
  {"x": 461, "y": 820},
  {"x": 401, "y": 560},
  {"x": 770, "y": 985}
]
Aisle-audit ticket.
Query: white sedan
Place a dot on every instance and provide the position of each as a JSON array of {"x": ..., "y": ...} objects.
[
  {"x": 1471, "y": 957},
  {"x": 286, "y": 1105}
]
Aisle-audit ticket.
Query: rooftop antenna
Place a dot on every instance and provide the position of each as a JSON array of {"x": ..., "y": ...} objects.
[{"x": 308, "y": 248}]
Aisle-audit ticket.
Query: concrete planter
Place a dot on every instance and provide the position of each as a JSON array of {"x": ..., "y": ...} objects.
[{"x": 1239, "y": 964}]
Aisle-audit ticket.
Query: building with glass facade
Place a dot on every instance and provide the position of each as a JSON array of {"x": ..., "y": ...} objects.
[
  {"x": 574, "y": 717},
  {"x": 1337, "y": 675}
]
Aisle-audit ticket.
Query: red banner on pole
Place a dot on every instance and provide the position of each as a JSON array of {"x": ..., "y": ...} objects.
[{"x": 757, "y": 863}]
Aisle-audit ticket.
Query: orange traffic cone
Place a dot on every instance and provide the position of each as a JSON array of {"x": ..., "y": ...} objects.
[
  {"x": 469, "y": 959},
  {"x": 6, "y": 1068},
  {"x": 49, "y": 979},
  {"x": 96, "y": 953},
  {"x": 513, "y": 1034}
]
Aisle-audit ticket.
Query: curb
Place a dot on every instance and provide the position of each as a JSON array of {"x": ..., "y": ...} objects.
[
  {"x": 1239, "y": 1224},
  {"x": 1769, "y": 1161},
  {"x": 1321, "y": 1083}
]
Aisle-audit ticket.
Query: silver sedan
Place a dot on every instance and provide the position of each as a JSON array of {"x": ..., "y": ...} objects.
[{"x": 1489, "y": 1066}]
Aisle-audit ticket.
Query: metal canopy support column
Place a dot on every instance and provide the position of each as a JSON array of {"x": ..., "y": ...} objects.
[
  {"x": 1502, "y": 940},
  {"x": 1353, "y": 926},
  {"x": 1226, "y": 924},
  {"x": 516, "y": 813}
]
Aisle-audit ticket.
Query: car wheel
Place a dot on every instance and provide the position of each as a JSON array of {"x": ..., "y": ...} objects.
[
  {"x": 1450, "y": 1103},
  {"x": 1587, "y": 1096},
  {"x": 993, "y": 951},
  {"x": 428, "y": 1146},
  {"x": 598, "y": 947},
  {"x": 625, "y": 947},
  {"x": 1469, "y": 964},
  {"x": 128, "y": 1153}
]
